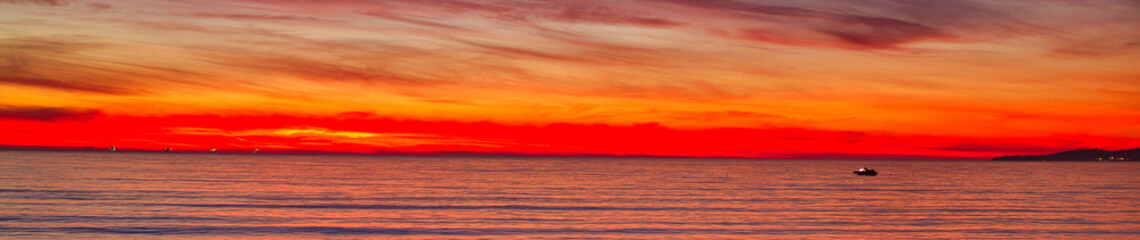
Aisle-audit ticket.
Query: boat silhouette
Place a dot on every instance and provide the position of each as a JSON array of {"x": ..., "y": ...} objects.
[{"x": 864, "y": 171}]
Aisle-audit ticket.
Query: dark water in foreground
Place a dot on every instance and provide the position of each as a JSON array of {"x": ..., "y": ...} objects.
[{"x": 102, "y": 195}]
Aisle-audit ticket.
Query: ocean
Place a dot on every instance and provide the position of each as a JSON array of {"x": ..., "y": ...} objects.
[{"x": 131, "y": 195}]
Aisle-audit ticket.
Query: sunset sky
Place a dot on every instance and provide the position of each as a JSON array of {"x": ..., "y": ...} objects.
[{"x": 700, "y": 78}]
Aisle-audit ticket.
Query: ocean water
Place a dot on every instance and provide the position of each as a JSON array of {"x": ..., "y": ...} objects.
[{"x": 104, "y": 195}]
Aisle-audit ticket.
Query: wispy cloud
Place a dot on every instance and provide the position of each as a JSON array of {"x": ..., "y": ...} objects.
[
  {"x": 803, "y": 26},
  {"x": 529, "y": 12},
  {"x": 871, "y": 25},
  {"x": 316, "y": 70},
  {"x": 522, "y": 52},
  {"x": 42, "y": 63},
  {"x": 589, "y": 13},
  {"x": 254, "y": 17},
  {"x": 415, "y": 20}
]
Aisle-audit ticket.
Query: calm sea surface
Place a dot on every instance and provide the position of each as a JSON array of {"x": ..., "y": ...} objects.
[{"x": 104, "y": 195}]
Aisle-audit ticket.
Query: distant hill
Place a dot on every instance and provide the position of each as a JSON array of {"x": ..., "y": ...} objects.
[{"x": 1093, "y": 154}]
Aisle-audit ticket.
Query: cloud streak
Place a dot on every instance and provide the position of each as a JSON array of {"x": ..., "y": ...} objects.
[
  {"x": 81, "y": 85},
  {"x": 529, "y": 12},
  {"x": 48, "y": 114},
  {"x": 48, "y": 64},
  {"x": 53, "y": 3},
  {"x": 801, "y": 26}
]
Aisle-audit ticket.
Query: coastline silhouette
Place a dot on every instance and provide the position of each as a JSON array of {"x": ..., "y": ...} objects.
[{"x": 1092, "y": 154}]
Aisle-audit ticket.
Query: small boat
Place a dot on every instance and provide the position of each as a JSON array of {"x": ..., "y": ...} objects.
[
  {"x": 213, "y": 150},
  {"x": 864, "y": 171}
]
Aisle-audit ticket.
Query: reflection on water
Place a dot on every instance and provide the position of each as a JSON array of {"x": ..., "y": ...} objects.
[{"x": 86, "y": 195}]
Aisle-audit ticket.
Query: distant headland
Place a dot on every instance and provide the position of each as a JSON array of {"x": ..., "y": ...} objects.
[{"x": 1092, "y": 154}]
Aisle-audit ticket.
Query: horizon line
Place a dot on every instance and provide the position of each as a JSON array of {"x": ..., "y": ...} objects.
[{"x": 286, "y": 151}]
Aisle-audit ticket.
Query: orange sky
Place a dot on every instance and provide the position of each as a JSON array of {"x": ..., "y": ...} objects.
[{"x": 705, "y": 78}]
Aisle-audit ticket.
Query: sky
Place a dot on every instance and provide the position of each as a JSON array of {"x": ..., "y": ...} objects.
[{"x": 694, "y": 78}]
